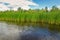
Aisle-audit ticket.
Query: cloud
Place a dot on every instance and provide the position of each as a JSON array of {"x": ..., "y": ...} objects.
[
  {"x": 24, "y": 4},
  {"x": 3, "y": 7},
  {"x": 58, "y": 7}
]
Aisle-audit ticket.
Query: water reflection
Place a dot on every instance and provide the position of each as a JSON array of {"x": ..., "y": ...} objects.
[
  {"x": 14, "y": 32},
  {"x": 39, "y": 34},
  {"x": 8, "y": 32}
]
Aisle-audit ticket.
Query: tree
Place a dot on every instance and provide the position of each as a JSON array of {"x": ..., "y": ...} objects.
[
  {"x": 46, "y": 9},
  {"x": 19, "y": 8},
  {"x": 54, "y": 8}
]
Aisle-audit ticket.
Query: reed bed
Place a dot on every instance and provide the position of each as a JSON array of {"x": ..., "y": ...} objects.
[{"x": 31, "y": 16}]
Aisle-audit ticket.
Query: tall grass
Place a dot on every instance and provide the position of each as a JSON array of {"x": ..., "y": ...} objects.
[{"x": 31, "y": 16}]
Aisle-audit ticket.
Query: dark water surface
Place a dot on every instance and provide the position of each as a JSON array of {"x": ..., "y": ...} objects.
[{"x": 14, "y": 32}]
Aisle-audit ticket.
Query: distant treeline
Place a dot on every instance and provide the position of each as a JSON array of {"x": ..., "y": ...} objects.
[{"x": 36, "y": 15}]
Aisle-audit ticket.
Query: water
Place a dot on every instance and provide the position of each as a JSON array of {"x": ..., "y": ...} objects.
[{"x": 14, "y": 32}]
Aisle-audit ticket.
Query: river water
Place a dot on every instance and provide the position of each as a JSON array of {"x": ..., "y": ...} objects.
[{"x": 15, "y": 32}]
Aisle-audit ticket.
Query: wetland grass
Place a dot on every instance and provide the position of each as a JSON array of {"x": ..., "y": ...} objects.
[{"x": 32, "y": 16}]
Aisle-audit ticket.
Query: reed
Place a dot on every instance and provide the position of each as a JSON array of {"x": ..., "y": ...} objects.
[{"x": 30, "y": 16}]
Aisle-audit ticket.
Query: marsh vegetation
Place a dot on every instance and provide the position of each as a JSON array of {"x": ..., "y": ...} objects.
[{"x": 34, "y": 17}]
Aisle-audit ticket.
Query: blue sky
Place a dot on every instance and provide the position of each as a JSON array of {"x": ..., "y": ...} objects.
[
  {"x": 48, "y": 3},
  {"x": 27, "y": 4}
]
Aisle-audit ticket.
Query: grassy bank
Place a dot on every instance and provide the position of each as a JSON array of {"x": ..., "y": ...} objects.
[{"x": 36, "y": 16}]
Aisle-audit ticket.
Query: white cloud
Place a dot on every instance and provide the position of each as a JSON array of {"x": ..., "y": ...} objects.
[
  {"x": 24, "y": 4},
  {"x": 58, "y": 7},
  {"x": 3, "y": 7}
]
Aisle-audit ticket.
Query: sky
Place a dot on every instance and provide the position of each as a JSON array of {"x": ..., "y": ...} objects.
[
  {"x": 27, "y": 4},
  {"x": 48, "y": 3}
]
